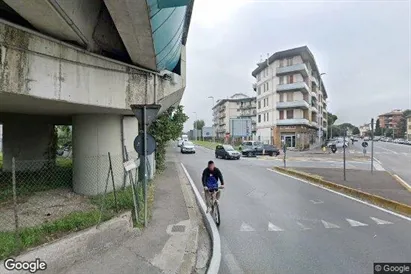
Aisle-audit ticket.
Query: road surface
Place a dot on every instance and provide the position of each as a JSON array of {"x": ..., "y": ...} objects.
[
  {"x": 395, "y": 158},
  {"x": 277, "y": 224}
]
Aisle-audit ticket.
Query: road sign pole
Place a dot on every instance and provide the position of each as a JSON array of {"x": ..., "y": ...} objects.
[
  {"x": 145, "y": 165},
  {"x": 372, "y": 145},
  {"x": 345, "y": 137}
]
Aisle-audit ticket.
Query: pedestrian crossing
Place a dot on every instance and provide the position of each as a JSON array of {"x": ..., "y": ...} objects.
[{"x": 317, "y": 224}]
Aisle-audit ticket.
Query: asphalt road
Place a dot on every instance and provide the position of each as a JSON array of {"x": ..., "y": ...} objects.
[
  {"x": 395, "y": 158},
  {"x": 277, "y": 224}
]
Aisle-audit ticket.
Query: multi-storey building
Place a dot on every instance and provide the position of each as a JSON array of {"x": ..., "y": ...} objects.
[
  {"x": 291, "y": 99},
  {"x": 364, "y": 129},
  {"x": 391, "y": 119},
  {"x": 409, "y": 127},
  {"x": 237, "y": 106}
]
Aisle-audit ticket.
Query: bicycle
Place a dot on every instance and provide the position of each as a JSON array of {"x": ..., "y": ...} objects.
[{"x": 215, "y": 208}]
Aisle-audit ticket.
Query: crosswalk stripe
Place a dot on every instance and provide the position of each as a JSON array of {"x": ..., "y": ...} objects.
[
  {"x": 272, "y": 227},
  {"x": 329, "y": 225},
  {"x": 380, "y": 222},
  {"x": 246, "y": 227},
  {"x": 303, "y": 227},
  {"x": 355, "y": 223}
]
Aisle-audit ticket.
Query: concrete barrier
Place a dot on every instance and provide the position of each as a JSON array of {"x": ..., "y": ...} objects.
[
  {"x": 375, "y": 199},
  {"x": 214, "y": 265}
]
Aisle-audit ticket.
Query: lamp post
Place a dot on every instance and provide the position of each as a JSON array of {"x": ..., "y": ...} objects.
[
  {"x": 212, "y": 110},
  {"x": 195, "y": 125},
  {"x": 326, "y": 129}
]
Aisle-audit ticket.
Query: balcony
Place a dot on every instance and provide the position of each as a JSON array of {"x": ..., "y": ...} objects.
[
  {"x": 314, "y": 109},
  {"x": 293, "y": 104},
  {"x": 297, "y": 68},
  {"x": 314, "y": 124},
  {"x": 248, "y": 113},
  {"x": 299, "y": 86},
  {"x": 314, "y": 80},
  {"x": 255, "y": 86},
  {"x": 313, "y": 94},
  {"x": 222, "y": 108},
  {"x": 293, "y": 122}
]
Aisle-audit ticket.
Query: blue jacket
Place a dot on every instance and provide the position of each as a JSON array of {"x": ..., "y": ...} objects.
[{"x": 210, "y": 178}]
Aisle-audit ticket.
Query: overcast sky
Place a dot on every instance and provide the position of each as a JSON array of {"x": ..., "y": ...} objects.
[{"x": 362, "y": 46}]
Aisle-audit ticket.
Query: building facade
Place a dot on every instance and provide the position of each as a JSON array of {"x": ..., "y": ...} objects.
[
  {"x": 237, "y": 106},
  {"x": 409, "y": 128},
  {"x": 291, "y": 99},
  {"x": 391, "y": 120},
  {"x": 364, "y": 129}
]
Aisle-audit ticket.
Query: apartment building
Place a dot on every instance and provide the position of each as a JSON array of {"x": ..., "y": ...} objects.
[
  {"x": 364, "y": 129},
  {"x": 409, "y": 127},
  {"x": 291, "y": 99},
  {"x": 237, "y": 106},
  {"x": 391, "y": 119}
]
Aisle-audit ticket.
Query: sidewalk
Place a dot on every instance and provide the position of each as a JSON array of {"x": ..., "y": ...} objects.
[
  {"x": 379, "y": 183},
  {"x": 170, "y": 242}
]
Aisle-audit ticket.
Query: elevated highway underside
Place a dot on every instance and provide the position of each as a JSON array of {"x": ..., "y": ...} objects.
[{"x": 84, "y": 64}]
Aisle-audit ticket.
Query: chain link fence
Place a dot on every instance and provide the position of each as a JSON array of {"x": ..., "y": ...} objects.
[{"x": 43, "y": 200}]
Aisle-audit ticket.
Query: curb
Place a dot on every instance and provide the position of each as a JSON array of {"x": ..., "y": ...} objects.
[
  {"x": 214, "y": 265},
  {"x": 402, "y": 182},
  {"x": 75, "y": 247},
  {"x": 375, "y": 199}
]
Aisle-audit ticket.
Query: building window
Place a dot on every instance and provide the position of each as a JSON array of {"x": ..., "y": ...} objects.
[
  {"x": 259, "y": 90},
  {"x": 281, "y": 97},
  {"x": 290, "y": 114},
  {"x": 290, "y": 79},
  {"x": 290, "y": 97},
  {"x": 281, "y": 63},
  {"x": 259, "y": 118},
  {"x": 259, "y": 104},
  {"x": 289, "y": 61},
  {"x": 259, "y": 76},
  {"x": 267, "y": 85},
  {"x": 281, "y": 115},
  {"x": 268, "y": 116},
  {"x": 282, "y": 80}
]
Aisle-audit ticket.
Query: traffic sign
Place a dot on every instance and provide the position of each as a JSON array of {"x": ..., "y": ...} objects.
[{"x": 139, "y": 144}]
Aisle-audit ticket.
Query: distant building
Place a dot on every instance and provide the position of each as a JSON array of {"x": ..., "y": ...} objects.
[
  {"x": 237, "y": 106},
  {"x": 409, "y": 127},
  {"x": 391, "y": 119},
  {"x": 364, "y": 129}
]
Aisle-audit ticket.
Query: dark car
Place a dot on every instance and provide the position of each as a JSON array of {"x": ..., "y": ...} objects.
[
  {"x": 226, "y": 152},
  {"x": 262, "y": 149}
]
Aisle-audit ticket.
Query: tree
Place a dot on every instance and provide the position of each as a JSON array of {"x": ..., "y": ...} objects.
[
  {"x": 356, "y": 131},
  {"x": 198, "y": 124},
  {"x": 168, "y": 126},
  {"x": 377, "y": 131},
  {"x": 331, "y": 118}
]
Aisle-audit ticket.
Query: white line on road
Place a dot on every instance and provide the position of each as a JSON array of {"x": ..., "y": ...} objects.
[
  {"x": 404, "y": 183},
  {"x": 246, "y": 227},
  {"x": 355, "y": 223},
  {"x": 303, "y": 227},
  {"x": 272, "y": 227},
  {"x": 344, "y": 195},
  {"x": 380, "y": 222},
  {"x": 316, "y": 202},
  {"x": 329, "y": 225},
  {"x": 392, "y": 151}
]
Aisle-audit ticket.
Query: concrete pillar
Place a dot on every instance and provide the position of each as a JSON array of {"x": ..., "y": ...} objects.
[
  {"x": 94, "y": 136},
  {"x": 26, "y": 138},
  {"x": 130, "y": 132}
]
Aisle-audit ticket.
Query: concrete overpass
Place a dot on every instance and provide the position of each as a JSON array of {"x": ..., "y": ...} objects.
[{"x": 84, "y": 63}]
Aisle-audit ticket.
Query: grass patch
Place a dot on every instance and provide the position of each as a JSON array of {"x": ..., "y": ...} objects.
[{"x": 75, "y": 221}]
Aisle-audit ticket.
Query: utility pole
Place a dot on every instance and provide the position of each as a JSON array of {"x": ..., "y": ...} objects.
[
  {"x": 372, "y": 144},
  {"x": 195, "y": 125},
  {"x": 212, "y": 109}
]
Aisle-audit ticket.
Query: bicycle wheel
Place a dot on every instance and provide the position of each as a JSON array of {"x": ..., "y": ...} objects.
[{"x": 216, "y": 213}]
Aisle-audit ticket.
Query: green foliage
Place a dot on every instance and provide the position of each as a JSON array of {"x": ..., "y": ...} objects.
[
  {"x": 168, "y": 126},
  {"x": 199, "y": 124},
  {"x": 377, "y": 131},
  {"x": 331, "y": 118},
  {"x": 356, "y": 131}
]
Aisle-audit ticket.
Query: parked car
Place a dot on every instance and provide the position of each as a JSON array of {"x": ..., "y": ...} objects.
[
  {"x": 262, "y": 149},
  {"x": 188, "y": 147},
  {"x": 227, "y": 152}
]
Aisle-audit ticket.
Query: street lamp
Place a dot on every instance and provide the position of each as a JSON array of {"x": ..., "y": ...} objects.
[
  {"x": 212, "y": 111},
  {"x": 195, "y": 125}
]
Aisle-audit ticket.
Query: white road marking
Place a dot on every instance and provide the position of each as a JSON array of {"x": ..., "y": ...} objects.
[
  {"x": 380, "y": 222},
  {"x": 355, "y": 223},
  {"x": 389, "y": 150},
  {"x": 344, "y": 195},
  {"x": 329, "y": 225},
  {"x": 378, "y": 167},
  {"x": 246, "y": 227},
  {"x": 272, "y": 227},
  {"x": 316, "y": 202},
  {"x": 303, "y": 227}
]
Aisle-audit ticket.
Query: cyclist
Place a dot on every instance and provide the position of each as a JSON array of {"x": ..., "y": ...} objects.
[{"x": 210, "y": 178}]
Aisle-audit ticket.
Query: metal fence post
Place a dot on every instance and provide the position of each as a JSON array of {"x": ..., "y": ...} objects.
[
  {"x": 372, "y": 145},
  {"x": 345, "y": 136},
  {"x": 16, "y": 220}
]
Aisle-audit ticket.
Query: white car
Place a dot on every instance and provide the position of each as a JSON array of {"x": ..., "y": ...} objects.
[
  {"x": 180, "y": 142},
  {"x": 188, "y": 147}
]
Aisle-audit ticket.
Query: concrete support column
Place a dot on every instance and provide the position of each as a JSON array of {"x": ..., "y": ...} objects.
[
  {"x": 26, "y": 138},
  {"x": 130, "y": 132},
  {"x": 93, "y": 137}
]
